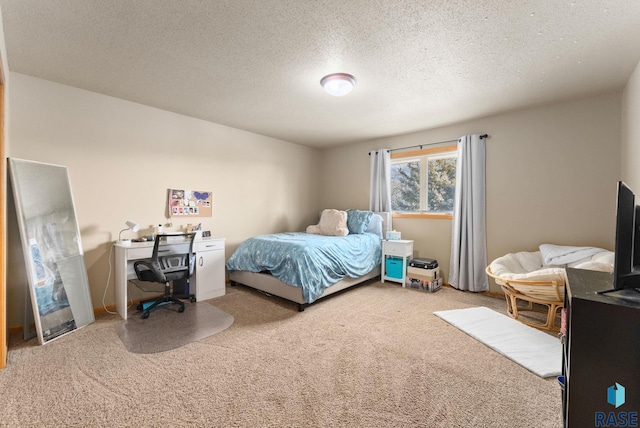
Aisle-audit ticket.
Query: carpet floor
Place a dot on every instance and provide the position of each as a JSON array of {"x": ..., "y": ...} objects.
[{"x": 374, "y": 356}]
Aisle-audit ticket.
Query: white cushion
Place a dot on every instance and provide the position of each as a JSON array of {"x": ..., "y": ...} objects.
[
  {"x": 332, "y": 223},
  {"x": 525, "y": 266},
  {"x": 602, "y": 261},
  {"x": 529, "y": 266}
]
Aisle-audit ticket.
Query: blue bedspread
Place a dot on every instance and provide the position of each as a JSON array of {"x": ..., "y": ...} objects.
[{"x": 312, "y": 262}]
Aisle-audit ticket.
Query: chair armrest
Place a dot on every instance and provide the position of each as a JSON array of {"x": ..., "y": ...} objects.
[{"x": 149, "y": 266}]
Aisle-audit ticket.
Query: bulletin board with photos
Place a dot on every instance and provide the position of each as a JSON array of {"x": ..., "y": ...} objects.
[{"x": 189, "y": 203}]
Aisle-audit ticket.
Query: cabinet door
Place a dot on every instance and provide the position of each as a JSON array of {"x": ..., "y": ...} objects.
[{"x": 209, "y": 270}]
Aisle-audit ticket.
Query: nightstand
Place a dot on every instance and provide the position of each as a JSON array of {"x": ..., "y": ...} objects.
[{"x": 400, "y": 251}]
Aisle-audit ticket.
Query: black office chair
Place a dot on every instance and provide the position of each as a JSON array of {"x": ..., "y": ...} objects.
[{"x": 166, "y": 265}]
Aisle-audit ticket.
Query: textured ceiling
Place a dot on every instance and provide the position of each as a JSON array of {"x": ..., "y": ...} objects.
[{"x": 256, "y": 64}]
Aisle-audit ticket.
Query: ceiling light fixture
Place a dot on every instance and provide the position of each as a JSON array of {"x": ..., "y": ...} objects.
[{"x": 338, "y": 84}]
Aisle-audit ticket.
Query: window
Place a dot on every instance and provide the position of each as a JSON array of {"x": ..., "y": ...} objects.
[{"x": 424, "y": 182}]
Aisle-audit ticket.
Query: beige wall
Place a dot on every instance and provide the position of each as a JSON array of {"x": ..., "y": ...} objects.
[
  {"x": 631, "y": 132},
  {"x": 551, "y": 174},
  {"x": 122, "y": 157}
]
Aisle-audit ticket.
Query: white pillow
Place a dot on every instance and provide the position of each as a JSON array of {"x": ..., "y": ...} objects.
[
  {"x": 332, "y": 223},
  {"x": 375, "y": 225}
]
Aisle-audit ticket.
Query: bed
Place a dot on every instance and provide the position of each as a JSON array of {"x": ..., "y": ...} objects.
[{"x": 304, "y": 267}]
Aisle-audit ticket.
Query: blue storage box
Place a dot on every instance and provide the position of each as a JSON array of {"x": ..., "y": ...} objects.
[{"x": 393, "y": 267}]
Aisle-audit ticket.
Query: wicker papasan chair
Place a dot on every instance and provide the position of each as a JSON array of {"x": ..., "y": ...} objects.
[{"x": 534, "y": 281}]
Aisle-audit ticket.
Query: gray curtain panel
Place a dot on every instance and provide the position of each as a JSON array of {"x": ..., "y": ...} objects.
[
  {"x": 380, "y": 184},
  {"x": 468, "y": 236}
]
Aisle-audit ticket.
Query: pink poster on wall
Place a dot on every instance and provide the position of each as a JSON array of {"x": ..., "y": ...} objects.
[{"x": 189, "y": 203}]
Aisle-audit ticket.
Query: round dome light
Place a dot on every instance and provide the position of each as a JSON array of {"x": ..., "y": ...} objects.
[{"x": 338, "y": 84}]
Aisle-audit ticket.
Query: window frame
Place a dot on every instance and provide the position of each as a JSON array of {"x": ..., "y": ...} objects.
[{"x": 423, "y": 188}]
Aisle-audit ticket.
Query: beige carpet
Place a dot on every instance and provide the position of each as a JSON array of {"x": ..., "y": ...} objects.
[
  {"x": 167, "y": 329},
  {"x": 374, "y": 356}
]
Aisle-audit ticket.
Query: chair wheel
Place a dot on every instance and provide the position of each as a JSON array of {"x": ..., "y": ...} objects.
[
  {"x": 145, "y": 315},
  {"x": 181, "y": 309},
  {"x": 193, "y": 299}
]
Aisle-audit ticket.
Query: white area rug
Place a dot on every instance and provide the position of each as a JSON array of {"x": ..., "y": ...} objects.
[{"x": 535, "y": 350}]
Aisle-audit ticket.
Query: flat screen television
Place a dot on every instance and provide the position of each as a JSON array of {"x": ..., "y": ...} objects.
[{"x": 626, "y": 268}]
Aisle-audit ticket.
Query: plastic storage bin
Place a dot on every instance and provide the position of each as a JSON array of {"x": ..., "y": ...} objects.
[{"x": 393, "y": 267}]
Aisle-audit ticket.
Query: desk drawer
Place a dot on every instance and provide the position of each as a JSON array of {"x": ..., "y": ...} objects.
[
  {"x": 139, "y": 253},
  {"x": 165, "y": 249},
  {"x": 208, "y": 245}
]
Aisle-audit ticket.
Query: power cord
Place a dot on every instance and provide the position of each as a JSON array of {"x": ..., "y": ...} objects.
[
  {"x": 107, "y": 286},
  {"x": 128, "y": 281},
  {"x": 108, "y": 281}
]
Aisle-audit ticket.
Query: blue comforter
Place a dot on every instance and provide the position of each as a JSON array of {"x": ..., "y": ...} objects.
[{"x": 312, "y": 262}]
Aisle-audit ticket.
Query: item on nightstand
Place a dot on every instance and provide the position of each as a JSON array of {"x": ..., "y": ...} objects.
[{"x": 393, "y": 235}]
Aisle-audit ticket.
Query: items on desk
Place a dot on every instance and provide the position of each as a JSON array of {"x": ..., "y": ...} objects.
[
  {"x": 132, "y": 226},
  {"x": 190, "y": 228},
  {"x": 194, "y": 228}
]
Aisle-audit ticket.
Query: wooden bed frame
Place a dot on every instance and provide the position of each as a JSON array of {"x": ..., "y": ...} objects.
[{"x": 269, "y": 284}]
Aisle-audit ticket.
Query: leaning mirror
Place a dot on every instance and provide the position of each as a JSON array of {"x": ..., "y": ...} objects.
[{"x": 52, "y": 249}]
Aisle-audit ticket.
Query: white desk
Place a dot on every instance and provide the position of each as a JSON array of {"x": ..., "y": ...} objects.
[{"x": 206, "y": 283}]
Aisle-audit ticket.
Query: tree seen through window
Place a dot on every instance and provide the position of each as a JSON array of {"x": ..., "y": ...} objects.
[{"x": 424, "y": 183}]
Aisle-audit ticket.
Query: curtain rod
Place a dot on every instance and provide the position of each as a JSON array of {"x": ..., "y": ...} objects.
[{"x": 431, "y": 144}]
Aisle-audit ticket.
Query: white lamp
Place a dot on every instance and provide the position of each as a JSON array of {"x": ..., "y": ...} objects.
[
  {"x": 130, "y": 226},
  {"x": 338, "y": 84}
]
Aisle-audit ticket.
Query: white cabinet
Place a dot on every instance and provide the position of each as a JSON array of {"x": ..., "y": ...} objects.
[
  {"x": 399, "y": 249},
  {"x": 209, "y": 278}
]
